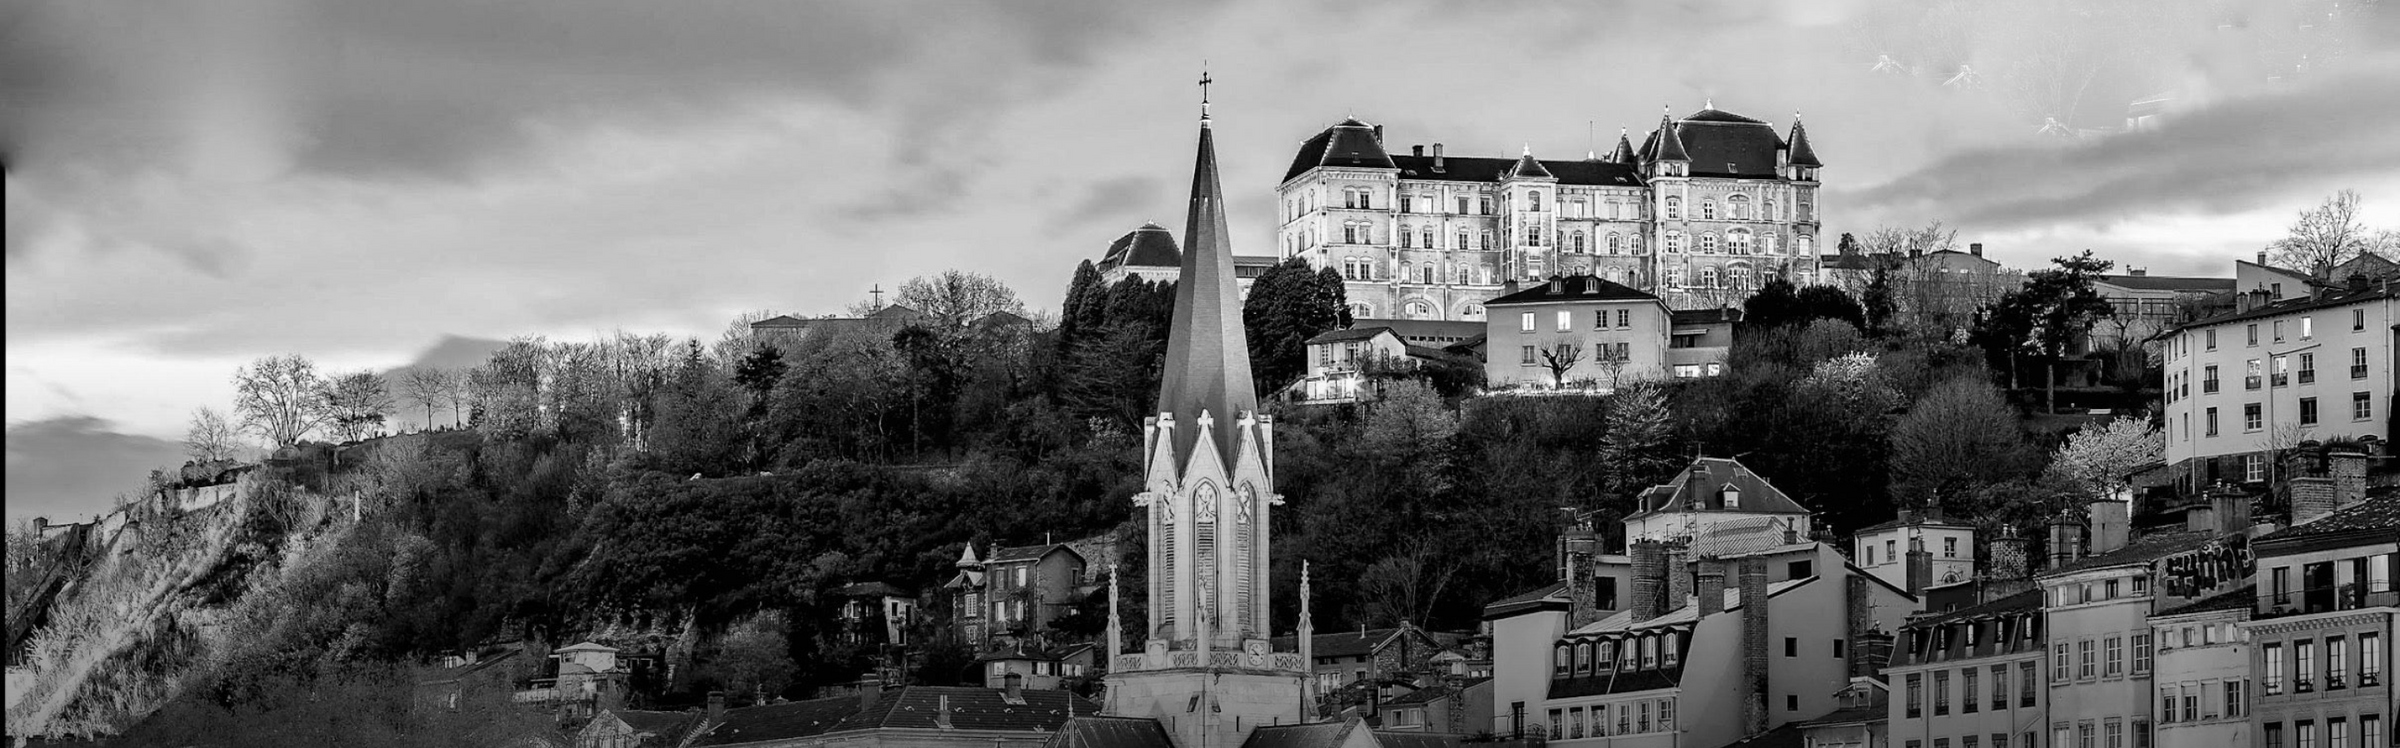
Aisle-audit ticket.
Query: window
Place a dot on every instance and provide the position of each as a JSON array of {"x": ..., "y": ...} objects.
[
  {"x": 2370, "y": 730},
  {"x": 2209, "y": 424},
  {"x": 2166, "y": 704},
  {"x": 1791, "y": 702},
  {"x": 1624, "y": 318},
  {"x": 1525, "y": 322},
  {"x": 2308, "y": 411},
  {"x": 1674, "y": 243},
  {"x": 2370, "y": 653},
  {"x": 2362, "y": 406},
  {"x": 1674, "y": 207},
  {"x": 1916, "y": 695},
  {"x": 2141, "y": 654},
  {"x": 1673, "y": 648},
  {"x": 1642, "y": 720},
  {"x": 1483, "y": 239},
  {"x": 2254, "y": 468},
  {"x": 2236, "y": 702},
  {"x": 2191, "y": 701},
  {"x": 1624, "y": 719},
  {"x": 1708, "y": 210},
  {"x": 1563, "y": 662},
  {"x": 1840, "y": 651},
  {"x": 1941, "y": 692},
  {"x": 2210, "y": 337},
  {"x": 1565, "y": 321},
  {"x": 1575, "y": 722},
  {"x": 1528, "y": 357},
  {"x": 1599, "y": 720},
  {"x": 1666, "y": 714},
  {"x": 1791, "y": 646},
  {"x": 2304, "y": 733},
  {"x": 2308, "y": 368},
  {"x": 1558, "y": 724},
  {"x": 1708, "y": 243},
  {"x": 2283, "y": 373},
  {"x": 2084, "y": 735},
  {"x": 2308, "y": 328},
  {"x": 2304, "y": 663},
  {"x": 2116, "y": 657},
  {"x": 2273, "y": 737},
  {"x": 2087, "y": 660},
  {"x": 2250, "y": 374},
  {"x": 1737, "y": 242},
  {"x": 2253, "y": 334},
  {"x": 2337, "y": 732},
  {"x": 1950, "y": 547},
  {"x": 1968, "y": 699},
  {"x": 2358, "y": 363},
  {"x": 2251, "y": 419},
  {"x": 2272, "y": 654},
  {"x": 2278, "y": 331},
  {"x": 1999, "y": 688},
  {"x": 2116, "y": 734},
  {"x": 1483, "y": 205},
  {"x": 2058, "y": 662}
]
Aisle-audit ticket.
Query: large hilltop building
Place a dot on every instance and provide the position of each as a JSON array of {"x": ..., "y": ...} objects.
[{"x": 1708, "y": 208}]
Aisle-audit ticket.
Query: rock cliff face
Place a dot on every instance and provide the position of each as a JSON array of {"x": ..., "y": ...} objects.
[{"x": 146, "y": 601}]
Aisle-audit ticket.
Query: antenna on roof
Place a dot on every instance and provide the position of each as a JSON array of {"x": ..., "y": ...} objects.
[{"x": 1591, "y": 140}]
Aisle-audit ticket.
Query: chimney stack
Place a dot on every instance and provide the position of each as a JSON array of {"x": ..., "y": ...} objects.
[
  {"x": 1679, "y": 577},
  {"x": 1013, "y": 688},
  {"x": 2349, "y": 468},
  {"x": 1861, "y": 616},
  {"x": 2262, "y": 257},
  {"x": 1975, "y": 248},
  {"x": 870, "y": 690},
  {"x": 1712, "y": 587},
  {"x": 2312, "y": 497},
  {"x": 1920, "y": 566},
  {"x": 941, "y": 712},
  {"x": 1437, "y": 165},
  {"x": 1649, "y": 579},
  {"x": 1379, "y": 135},
  {"x": 716, "y": 706},
  {"x": 1416, "y": 150},
  {"x": 2009, "y": 560},
  {"x": 2112, "y": 525},
  {"x": 1753, "y": 571},
  {"x": 2066, "y": 541}
]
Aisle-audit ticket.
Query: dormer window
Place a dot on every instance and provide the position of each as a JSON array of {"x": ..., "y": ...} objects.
[
  {"x": 1730, "y": 497},
  {"x": 1557, "y": 286},
  {"x": 1591, "y": 285}
]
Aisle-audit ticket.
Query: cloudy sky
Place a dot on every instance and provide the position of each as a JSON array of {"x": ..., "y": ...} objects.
[{"x": 192, "y": 184}]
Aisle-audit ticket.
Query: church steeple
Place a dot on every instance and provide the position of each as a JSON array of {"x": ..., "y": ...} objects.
[{"x": 1208, "y": 355}]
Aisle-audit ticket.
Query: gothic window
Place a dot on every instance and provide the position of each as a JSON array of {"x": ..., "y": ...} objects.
[
  {"x": 1708, "y": 210},
  {"x": 1737, "y": 241},
  {"x": 1708, "y": 243},
  {"x": 1674, "y": 207},
  {"x": 1737, "y": 207}
]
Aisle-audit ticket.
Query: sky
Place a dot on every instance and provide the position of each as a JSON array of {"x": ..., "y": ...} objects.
[{"x": 195, "y": 184}]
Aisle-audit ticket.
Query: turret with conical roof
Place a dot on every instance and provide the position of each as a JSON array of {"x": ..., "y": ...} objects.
[
  {"x": 1624, "y": 152},
  {"x": 1802, "y": 155},
  {"x": 1670, "y": 143}
]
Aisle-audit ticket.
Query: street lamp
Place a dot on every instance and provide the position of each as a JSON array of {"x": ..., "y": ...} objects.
[{"x": 2269, "y": 438}]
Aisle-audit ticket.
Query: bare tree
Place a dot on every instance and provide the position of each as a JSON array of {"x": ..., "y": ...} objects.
[
  {"x": 2327, "y": 236},
  {"x": 456, "y": 395},
  {"x": 955, "y": 298},
  {"x": 211, "y": 437},
  {"x": 426, "y": 386},
  {"x": 1895, "y": 240},
  {"x": 357, "y": 404},
  {"x": 1558, "y": 359},
  {"x": 1403, "y": 587},
  {"x": 281, "y": 398}
]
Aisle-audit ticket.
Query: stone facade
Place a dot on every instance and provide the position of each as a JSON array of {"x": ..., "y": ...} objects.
[{"x": 1712, "y": 205}]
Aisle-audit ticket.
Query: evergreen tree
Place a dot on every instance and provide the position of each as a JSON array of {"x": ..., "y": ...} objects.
[
  {"x": 1636, "y": 452},
  {"x": 1289, "y": 304},
  {"x": 2045, "y": 318},
  {"x": 1086, "y": 305}
]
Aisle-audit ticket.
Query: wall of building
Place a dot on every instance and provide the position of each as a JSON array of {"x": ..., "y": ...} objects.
[
  {"x": 1521, "y": 665},
  {"x": 1884, "y": 553},
  {"x": 2100, "y": 699},
  {"x": 2015, "y": 718},
  {"x": 2281, "y": 706},
  {"x": 1506, "y": 338},
  {"x": 2332, "y": 334},
  {"x": 2199, "y": 654}
]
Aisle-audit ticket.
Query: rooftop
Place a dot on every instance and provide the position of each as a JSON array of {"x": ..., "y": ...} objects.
[
  {"x": 1687, "y": 612},
  {"x": 2029, "y": 601},
  {"x": 2377, "y": 513},
  {"x": 2142, "y": 550},
  {"x": 1573, "y": 288},
  {"x": 2239, "y": 598},
  {"x": 2328, "y": 300},
  {"x": 1700, "y": 485}
]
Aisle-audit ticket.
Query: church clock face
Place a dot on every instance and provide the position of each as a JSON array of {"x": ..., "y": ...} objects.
[{"x": 1257, "y": 650}]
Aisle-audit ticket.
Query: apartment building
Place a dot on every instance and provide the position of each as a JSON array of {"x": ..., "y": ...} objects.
[
  {"x": 1916, "y": 550},
  {"x": 1339, "y": 361},
  {"x": 1575, "y": 330},
  {"x": 2203, "y": 671},
  {"x": 2274, "y": 373},
  {"x": 2321, "y": 628},
  {"x": 1972, "y": 678}
]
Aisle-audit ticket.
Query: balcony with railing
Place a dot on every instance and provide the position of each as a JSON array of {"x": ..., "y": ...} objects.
[{"x": 2323, "y": 600}]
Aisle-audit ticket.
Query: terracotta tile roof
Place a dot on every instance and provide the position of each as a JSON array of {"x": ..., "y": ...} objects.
[
  {"x": 2142, "y": 550},
  {"x": 2376, "y": 513},
  {"x": 2239, "y": 598},
  {"x": 1110, "y": 732}
]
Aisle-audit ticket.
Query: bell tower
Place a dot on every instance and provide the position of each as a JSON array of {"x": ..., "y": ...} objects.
[{"x": 1206, "y": 670}]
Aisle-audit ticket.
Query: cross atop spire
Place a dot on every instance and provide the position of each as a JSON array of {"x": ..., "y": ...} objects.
[{"x": 1204, "y": 83}]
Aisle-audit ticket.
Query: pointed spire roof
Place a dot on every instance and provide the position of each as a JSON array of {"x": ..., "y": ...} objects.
[
  {"x": 1528, "y": 167},
  {"x": 1208, "y": 358},
  {"x": 1670, "y": 144},
  {"x": 1802, "y": 155},
  {"x": 1624, "y": 152}
]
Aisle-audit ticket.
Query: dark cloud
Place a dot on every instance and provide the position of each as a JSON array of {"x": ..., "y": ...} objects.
[
  {"x": 2235, "y": 155},
  {"x": 1126, "y": 200},
  {"x": 74, "y": 467}
]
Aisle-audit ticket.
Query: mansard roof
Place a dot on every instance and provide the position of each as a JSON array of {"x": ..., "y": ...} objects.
[
  {"x": 1350, "y": 143},
  {"x": 1573, "y": 288},
  {"x": 1151, "y": 245},
  {"x": 1700, "y": 486},
  {"x": 1478, "y": 169}
]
